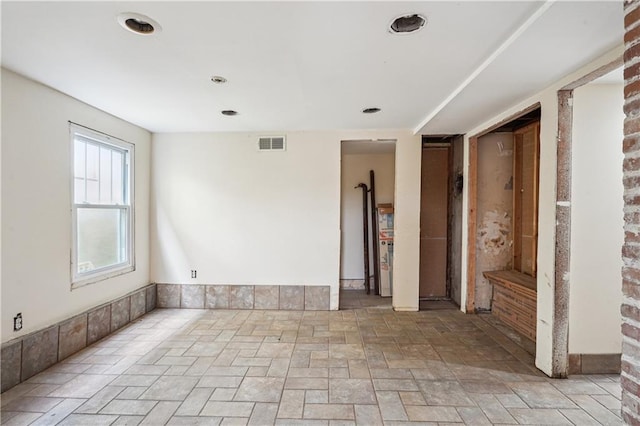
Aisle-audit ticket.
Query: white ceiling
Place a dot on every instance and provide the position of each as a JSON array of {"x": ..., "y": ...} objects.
[{"x": 305, "y": 65}]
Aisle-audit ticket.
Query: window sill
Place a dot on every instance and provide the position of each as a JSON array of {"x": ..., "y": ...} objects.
[{"x": 102, "y": 276}]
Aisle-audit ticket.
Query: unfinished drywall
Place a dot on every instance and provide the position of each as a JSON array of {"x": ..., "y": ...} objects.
[
  {"x": 596, "y": 220},
  {"x": 36, "y": 206},
  {"x": 495, "y": 211},
  {"x": 548, "y": 99},
  {"x": 240, "y": 216},
  {"x": 354, "y": 170}
]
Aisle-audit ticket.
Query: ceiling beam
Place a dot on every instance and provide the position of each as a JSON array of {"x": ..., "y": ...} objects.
[{"x": 508, "y": 42}]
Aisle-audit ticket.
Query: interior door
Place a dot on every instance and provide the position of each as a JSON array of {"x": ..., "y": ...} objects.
[{"x": 433, "y": 221}]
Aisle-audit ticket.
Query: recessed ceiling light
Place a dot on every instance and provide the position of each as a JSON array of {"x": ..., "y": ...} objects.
[
  {"x": 370, "y": 110},
  {"x": 229, "y": 112},
  {"x": 218, "y": 80},
  {"x": 407, "y": 24},
  {"x": 139, "y": 24}
]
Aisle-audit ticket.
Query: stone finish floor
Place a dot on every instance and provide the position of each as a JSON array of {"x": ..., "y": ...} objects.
[{"x": 364, "y": 364}]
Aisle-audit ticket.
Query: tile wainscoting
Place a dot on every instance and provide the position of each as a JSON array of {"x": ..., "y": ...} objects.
[
  {"x": 594, "y": 363},
  {"x": 28, "y": 355},
  {"x": 283, "y": 297}
]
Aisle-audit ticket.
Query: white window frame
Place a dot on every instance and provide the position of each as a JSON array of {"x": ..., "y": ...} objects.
[{"x": 81, "y": 279}]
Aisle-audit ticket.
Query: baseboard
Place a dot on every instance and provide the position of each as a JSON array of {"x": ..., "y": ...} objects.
[
  {"x": 594, "y": 363},
  {"x": 28, "y": 355},
  {"x": 283, "y": 297},
  {"x": 352, "y": 284}
]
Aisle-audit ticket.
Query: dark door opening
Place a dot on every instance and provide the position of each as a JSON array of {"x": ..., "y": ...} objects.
[{"x": 440, "y": 218}]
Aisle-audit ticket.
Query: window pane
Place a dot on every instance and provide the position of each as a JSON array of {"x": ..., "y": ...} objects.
[
  {"x": 92, "y": 191},
  {"x": 101, "y": 238},
  {"x": 93, "y": 163},
  {"x": 78, "y": 190},
  {"x": 117, "y": 183},
  {"x": 78, "y": 160},
  {"x": 78, "y": 171},
  {"x": 105, "y": 175}
]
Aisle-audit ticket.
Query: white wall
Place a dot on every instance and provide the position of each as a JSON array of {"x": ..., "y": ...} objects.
[
  {"x": 36, "y": 205},
  {"x": 548, "y": 100},
  {"x": 355, "y": 169},
  {"x": 240, "y": 216},
  {"x": 596, "y": 220}
]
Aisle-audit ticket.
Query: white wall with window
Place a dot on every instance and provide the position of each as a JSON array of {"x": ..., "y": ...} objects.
[
  {"x": 102, "y": 208},
  {"x": 38, "y": 202}
]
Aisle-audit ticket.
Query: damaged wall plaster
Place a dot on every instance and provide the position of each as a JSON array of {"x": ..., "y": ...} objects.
[
  {"x": 494, "y": 238},
  {"x": 493, "y": 235}
]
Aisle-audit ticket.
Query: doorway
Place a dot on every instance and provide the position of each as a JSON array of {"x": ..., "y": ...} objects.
[
  {"x": 440, "y": 218},
  {"x": 358, "y": 159},
  {"x": 590, "y": 227}
]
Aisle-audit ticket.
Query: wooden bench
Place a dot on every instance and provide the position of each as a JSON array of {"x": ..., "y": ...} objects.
[{"x": 514, "y": 300}]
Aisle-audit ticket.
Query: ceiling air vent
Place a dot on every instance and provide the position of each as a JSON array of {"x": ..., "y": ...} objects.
[{"x": 271, "y": 143}]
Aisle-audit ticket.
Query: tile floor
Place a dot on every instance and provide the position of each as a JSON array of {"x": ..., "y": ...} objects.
[{"x": 365, "y": 365}]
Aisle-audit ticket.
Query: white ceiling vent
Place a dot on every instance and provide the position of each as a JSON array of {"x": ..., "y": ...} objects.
[{"x": 271, "y": 143}]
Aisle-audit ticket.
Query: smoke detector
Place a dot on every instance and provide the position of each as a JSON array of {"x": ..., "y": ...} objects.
[{"x": 407, "y": 24}]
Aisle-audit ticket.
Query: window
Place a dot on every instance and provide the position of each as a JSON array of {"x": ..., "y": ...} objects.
[{"x": 102, "y": 209}]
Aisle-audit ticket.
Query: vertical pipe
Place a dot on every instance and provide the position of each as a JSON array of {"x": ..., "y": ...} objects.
[
  {"x": 365, "y": 227},
  {"x": 374, "y": 234}
]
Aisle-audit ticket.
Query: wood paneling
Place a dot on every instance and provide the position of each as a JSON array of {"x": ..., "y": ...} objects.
[
  {"x": 526, "y": 154},
  {"x": 472, "y": 192},
  {"x": 515, "y": 300}
]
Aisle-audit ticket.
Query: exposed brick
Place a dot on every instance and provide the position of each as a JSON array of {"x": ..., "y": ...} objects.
[
  {"x": 630, "y": 385},
  {"x": 631, "y": 370},
  {"x": 632, "y": 125},
  {"x": 632, "y": 89},
  {"x": 630, "y": 312},
  {"x": 631, "y": 144},
  {"x": 631, "y": 289},
  {"x": 632, "y": 35},
  {"x": 632, "y": 71},
  {"x": 633, "y": 333},
  {"x": 632, "y": 200},
  {"x": 631, "y": 237},
  {"x": 630, "y": 421},
  {"x": 632, "y": 218},
  {"x": 631, "y": 274},
  {"x": 632, "y": 106},
  {"x": 631, "y": 15},
  {"x": 631, "y": 182},
  {"x": 631, "y": 249},
  {"x": 631, "y": 164},
  {"x": 632, "y": 403},
  {"x": 630, "y": 415}
]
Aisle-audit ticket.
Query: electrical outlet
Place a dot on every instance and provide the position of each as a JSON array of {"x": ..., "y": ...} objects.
[
  {"x": 17, "y": 322},
  {"x": 194, "y": 273}
]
